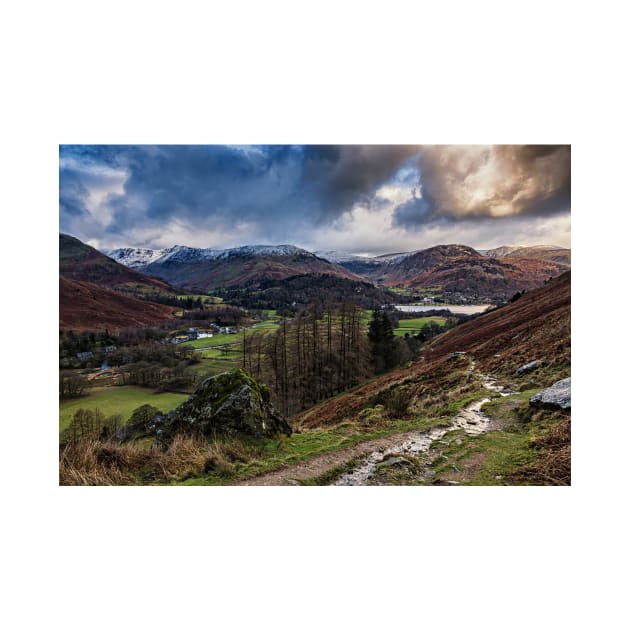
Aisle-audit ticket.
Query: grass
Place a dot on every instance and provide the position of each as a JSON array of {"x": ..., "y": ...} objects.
[
  {"x": 453, "y": 407},
  {"x": 216, "y": 340},
  {"x": 118, "y": 400},
  {"x": 211, "y": 366},
  {"x": 414, "y": 326},
  {"x": 331, "y": 475},
  {"x": 499, "y": 455},
  {"x": 488, "y": 459},
  {"x": 274, "y": 454},
  {"x": 220, "y": 339}
]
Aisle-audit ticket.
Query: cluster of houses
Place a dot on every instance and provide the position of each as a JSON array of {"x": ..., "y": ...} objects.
[
  {"x": 84, "y": 356},
  {"x": 195, "y": 333}
]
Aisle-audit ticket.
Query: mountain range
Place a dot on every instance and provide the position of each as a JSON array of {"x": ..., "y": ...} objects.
[
  {"x": 202, "y": 270},
  {"x": 455, "y": 270},
  {"x": 93, "y": 283}
]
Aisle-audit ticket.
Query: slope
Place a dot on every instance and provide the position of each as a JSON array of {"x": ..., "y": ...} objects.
[
  {"x": 204, "y": 270},
  {"x": 535, "y": 327},
  {"x": 78, "y": 261},
  {"x": 88, "y": 306},
  {"x": 460, "y": 271}
]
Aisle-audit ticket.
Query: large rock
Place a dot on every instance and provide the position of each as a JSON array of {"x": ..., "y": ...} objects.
[
  {"x": 229, "y": 404},
  {"x": 528, "y": 367},
  {"x": 558, "y": 396}
]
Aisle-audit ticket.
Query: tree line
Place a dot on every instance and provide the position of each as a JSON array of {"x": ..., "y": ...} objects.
[
  {"x": 326, "y": 349},
  {"x": 320, "y": 352}
]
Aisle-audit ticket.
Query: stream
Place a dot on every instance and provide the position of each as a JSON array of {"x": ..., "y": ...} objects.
[{"x": 470, "y": 419}]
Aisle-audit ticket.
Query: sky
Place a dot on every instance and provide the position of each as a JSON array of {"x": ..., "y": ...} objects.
[{"x": 360, "y": 199}]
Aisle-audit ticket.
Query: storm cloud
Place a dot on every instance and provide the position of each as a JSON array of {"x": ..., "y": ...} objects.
[
  {"x": 464, "y": 182},
  {"x": 377, "y": 195}
]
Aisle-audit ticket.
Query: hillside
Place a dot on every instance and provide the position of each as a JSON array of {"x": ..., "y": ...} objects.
[
  {"x": 560, "y": 255},
  {"x": 88, "y": 306},
  {"x": 204, "y": 270},
  {"x": 534, "y": 327},
  {"x": 460, "y": 271},
  {"x": 78, "y": 261},
  {"x": 302, "y": 290}
]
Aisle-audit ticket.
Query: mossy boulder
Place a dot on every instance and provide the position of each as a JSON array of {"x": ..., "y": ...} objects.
[{"x": 229, "y": 404}]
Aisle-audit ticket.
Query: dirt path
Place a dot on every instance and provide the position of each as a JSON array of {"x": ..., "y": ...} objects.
[
  {"x": 468, "y": 419},
  {"x": 322, "y": 463}
]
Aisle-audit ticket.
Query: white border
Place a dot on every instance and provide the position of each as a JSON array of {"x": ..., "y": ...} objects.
[{"x": 319, "y": 72}]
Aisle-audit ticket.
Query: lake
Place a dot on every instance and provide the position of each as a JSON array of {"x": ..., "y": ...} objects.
[{"x": 465, "y": 309}]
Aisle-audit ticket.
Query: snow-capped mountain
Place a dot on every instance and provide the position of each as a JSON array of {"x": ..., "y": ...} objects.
[
  {"x": 448, "y": 266},
  {"x": 344, "y": 257},
  {"x": 205, "y": 269},
  {"x": 139, "y": 257},
  {"x": 134, "y": 257},
  {"x": 338, "y": 256}
]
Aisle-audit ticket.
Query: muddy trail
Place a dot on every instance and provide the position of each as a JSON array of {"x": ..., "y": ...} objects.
[{"x": 391, "y": 450}]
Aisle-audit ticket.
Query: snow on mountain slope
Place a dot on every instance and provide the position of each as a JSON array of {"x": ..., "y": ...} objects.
[
  {"x": 516, "y": 250},
  {"x": 134, "y": 257},
  {"x": 138, "y": 257},
  {"x": 339, "y": 257},
  {"x": 344, "y": 257}
]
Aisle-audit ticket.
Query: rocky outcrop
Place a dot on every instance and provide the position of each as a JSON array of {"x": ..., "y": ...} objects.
[
  {"x": 528, "y": 367},
  {"x": 229, "y": 404},
  {"x": 558, "y": 396}
]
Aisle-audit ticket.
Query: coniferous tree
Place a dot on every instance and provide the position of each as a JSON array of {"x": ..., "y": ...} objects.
[{"x": 385, "y": 352}]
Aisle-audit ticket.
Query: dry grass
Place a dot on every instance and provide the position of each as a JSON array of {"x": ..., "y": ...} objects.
[
  {"x": 91, "y": 462},
  {"x": 553, "y": 466}
]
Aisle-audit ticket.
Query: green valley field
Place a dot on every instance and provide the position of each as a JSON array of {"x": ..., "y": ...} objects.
[
  {"x": 118, "y": 400},
  {"x": 414, "y": 326}
]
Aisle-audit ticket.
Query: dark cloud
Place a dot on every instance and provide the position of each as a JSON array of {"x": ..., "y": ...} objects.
[
  {"x": 141, "y": 195},
  {"x": 72, "y": 194},
  {"x": 463, "y": 182},
  {"x": 279, "y": 187},
  {"x": 414, "y": 212},
  {"x": 347, "y": 174}
]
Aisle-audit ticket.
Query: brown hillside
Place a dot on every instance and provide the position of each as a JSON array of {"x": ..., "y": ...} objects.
[
  {"x": 87, "y": 306},
  {"x": 78, "y": 261},
  {"x": 243, "y": 270},
  {"x": 461, "y": 269},
  {"x": 536, "y": 326}
]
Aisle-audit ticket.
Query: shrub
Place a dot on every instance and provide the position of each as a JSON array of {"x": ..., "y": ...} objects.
[{"x": 371, "y": 415}]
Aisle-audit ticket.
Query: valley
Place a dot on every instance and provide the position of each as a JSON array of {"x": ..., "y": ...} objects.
[{"x": 380, "y": 387}]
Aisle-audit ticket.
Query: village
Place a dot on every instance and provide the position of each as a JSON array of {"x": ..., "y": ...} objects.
[{"x": 194, "y": 333}]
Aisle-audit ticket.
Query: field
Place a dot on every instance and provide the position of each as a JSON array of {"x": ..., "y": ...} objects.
[
  {"x": 216, "y": 361},
  {"x": 414, "y": 326},
  {"x": 118, "y": 400},
  {"x": 225, "y": 352},
  {"x": 236, "y": 338}
]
